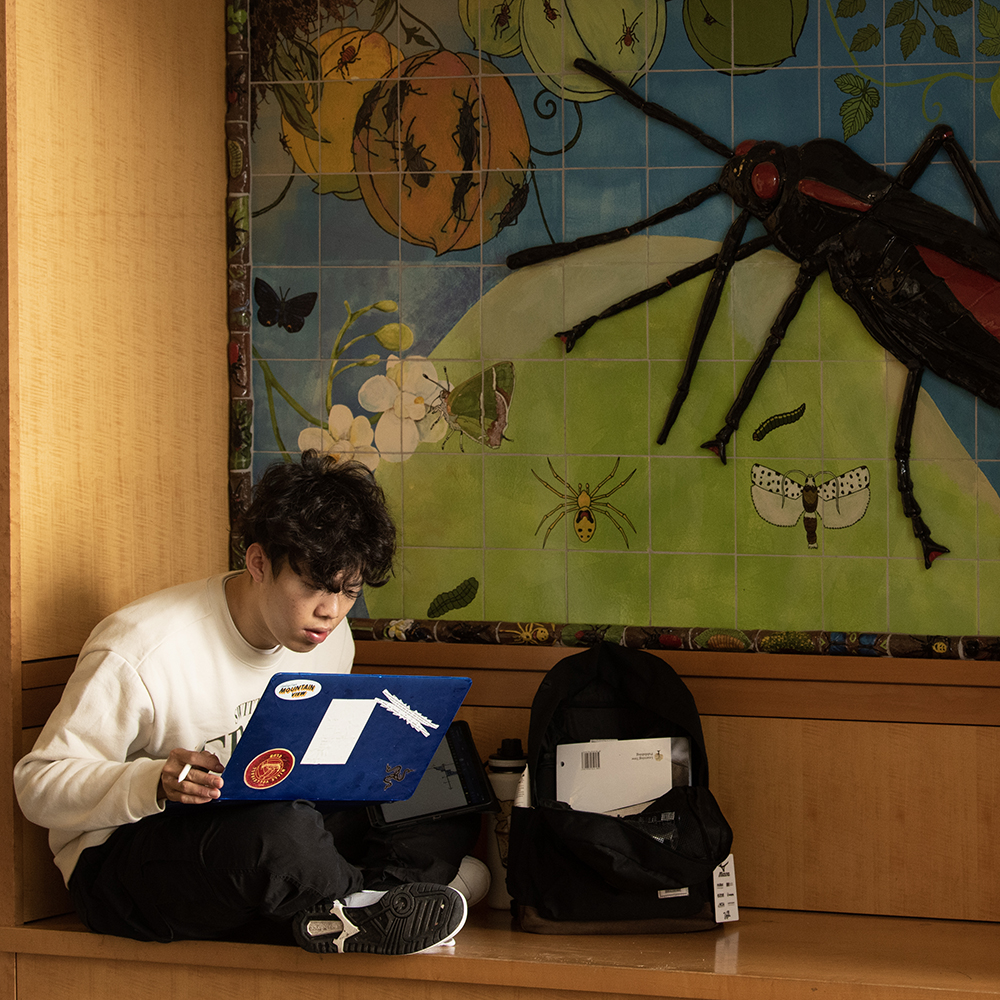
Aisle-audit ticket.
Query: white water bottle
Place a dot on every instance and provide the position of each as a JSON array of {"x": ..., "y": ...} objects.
[{"x": 504, "y": 768}]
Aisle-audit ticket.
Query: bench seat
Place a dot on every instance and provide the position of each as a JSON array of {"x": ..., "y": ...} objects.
[
  {"x": 865, "y": 798},
  {"x": 773, "y": 954}
]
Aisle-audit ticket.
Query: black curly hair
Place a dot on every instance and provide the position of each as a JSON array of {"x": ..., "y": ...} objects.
[{"x": 327, "y": 519}]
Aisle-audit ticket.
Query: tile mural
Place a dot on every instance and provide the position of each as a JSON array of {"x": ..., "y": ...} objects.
[{"x": 389, "y": 161}]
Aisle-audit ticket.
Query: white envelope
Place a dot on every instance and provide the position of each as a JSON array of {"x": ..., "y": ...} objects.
[{"x": 620, "y": 777}]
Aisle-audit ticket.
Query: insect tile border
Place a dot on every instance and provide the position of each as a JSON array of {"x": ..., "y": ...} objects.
[
  {"x": 697, "y": 638},
  {"x": 238, "y": 268}
]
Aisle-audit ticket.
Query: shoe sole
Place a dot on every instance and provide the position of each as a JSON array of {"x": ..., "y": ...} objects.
[{"x": 407, "y": 920}]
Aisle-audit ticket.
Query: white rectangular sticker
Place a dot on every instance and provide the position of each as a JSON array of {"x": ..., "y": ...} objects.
[
  {"x": 339, "y": 731},
  {"x": 726, "y": 905},
  {"x": 672, "y": 893}
]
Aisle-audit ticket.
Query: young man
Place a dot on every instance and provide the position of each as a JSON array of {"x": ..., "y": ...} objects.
[{"x": 159, "y": 698}]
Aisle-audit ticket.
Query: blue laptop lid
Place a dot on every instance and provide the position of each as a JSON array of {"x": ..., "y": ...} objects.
[{"x": 342, "y": 737}]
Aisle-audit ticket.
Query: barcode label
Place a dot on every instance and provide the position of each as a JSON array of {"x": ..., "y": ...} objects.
[{"x": 590, "y": 760}]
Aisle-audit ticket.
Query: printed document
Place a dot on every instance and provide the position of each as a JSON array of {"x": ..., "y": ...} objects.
[{"x": 620, "y": 777}]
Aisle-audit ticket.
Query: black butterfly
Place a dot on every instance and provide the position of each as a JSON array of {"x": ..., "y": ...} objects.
[{"x": 276, "y": 310}]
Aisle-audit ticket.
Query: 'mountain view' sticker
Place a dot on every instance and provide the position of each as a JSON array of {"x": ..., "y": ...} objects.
[{"x": 298, "y": 689}]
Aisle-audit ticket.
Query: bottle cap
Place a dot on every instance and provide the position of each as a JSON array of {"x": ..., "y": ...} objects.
[{"x": 509, "y": 756}]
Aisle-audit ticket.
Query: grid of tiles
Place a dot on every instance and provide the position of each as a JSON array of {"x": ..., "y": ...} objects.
[{"x": 400, "y": 154}]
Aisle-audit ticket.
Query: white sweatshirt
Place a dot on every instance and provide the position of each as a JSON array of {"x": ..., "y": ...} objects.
[{"x": 169, "y": 670}]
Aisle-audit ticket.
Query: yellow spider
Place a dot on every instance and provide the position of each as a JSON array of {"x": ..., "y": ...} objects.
[
  {"x": 532, "y": 633},
  {"x": 586, "y": 504}
]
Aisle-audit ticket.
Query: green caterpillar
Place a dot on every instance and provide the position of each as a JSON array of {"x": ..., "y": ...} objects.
[
  {"x": 235, "y": 152},
  {"x": 778, "y": 420},
  {"x": 451, "y": 600}
]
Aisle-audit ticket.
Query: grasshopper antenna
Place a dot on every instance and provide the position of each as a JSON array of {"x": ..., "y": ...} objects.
[
  {"x": 536, "y": 255},
  {"x": 549, "y": 251},
  {"x": 652, "y": 110}
]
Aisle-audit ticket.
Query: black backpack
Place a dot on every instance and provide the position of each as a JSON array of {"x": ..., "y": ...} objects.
[{"x": 580, "y": 872}]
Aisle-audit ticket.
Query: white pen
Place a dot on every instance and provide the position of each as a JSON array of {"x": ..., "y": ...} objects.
[{"x": 186, "y": 769}]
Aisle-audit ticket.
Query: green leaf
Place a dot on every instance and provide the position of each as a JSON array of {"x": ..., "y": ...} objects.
[
  {"x": 856, "y": 112},
  {"x": 851, "y": 83},
  {"x": 850, "y": 8},
  {"x": 866, "y": 38},
  {"x": 413, "y": 35},
  {"x": 307, "y": 59},
  {"x": 296, "y": 62},
  {"x": 901, "y": 12},
  {"x": 944, "y": 39},
  {"x": 989, "y": 47},
  {"x": 950, "y": 8},
  {"x": 235, "y": 20},
  {"x": 296, "y": 107},
  {"x": 240, "y": 434},
  {"x": 284, "y": 65},
  {"x": 989, "y": 20},
  {"x": 995, "y": 97},
  {"x": 237, "y": 225},
  {"x": 382, "y": 10},
  {"x": 913, "y": 33}
]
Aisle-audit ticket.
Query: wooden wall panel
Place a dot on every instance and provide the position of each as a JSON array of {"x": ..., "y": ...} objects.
[
  {"x": 861, "y": 817},
  {"x": 851, "y": 787},
  {"x": 122, "y": 322},
  {"x": 796, "y": 686},
  {"x": 44, "y": 894},
  {"x": 846, "y": 817},
  {"x": 8, "y": 975},
  {"x": 10, "y": 541},
  {"x": 113, "y": 473},
  {"x": 490, "y": 726}
]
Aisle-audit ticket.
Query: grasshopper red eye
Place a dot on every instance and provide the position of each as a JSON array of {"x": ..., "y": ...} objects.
[
  {"x": 766, "y": 181},
  {"x": 745, "y": 146}
]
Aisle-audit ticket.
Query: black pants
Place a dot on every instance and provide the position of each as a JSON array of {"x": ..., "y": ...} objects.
[{"x": 209, "y": 871}]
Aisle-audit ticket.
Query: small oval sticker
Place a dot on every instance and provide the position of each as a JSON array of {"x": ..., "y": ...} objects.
[
  {"x": 269, "y": 768},
  {"x": 298, "y": 690}
]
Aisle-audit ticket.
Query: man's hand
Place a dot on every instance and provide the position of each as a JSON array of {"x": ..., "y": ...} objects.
[{"x": 199, "y": 785}]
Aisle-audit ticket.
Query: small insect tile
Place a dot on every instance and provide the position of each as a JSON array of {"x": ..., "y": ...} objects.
[{"x": 647, "y": 313}]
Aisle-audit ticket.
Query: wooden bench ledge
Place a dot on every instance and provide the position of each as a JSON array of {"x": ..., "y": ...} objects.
[{"x": 773, "y": 954}]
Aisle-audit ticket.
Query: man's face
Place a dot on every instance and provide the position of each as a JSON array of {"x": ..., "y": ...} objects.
[{"x": 295, "y": 613}]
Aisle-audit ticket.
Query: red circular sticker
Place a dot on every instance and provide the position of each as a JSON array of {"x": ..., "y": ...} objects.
[{"x": 269, "y": 768}]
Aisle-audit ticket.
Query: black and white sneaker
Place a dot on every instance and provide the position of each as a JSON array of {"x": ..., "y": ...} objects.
[{"x": 404, "y": 920}]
